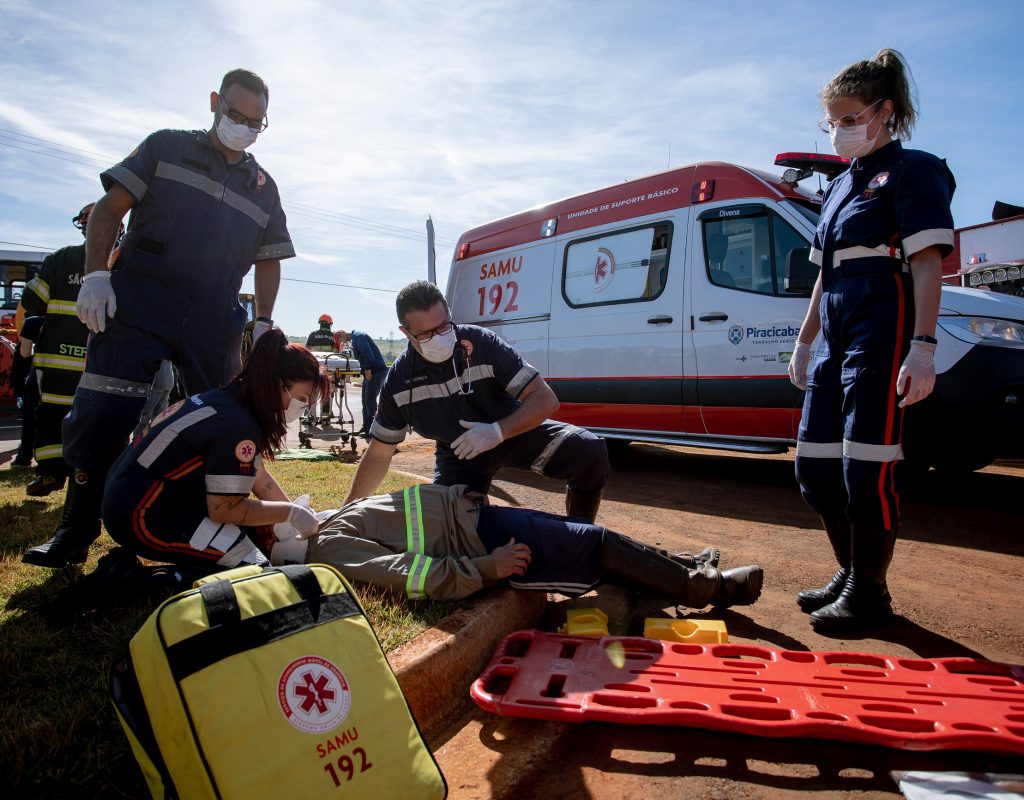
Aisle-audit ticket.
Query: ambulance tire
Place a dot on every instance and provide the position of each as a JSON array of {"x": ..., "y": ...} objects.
[{"x": 617, "y": 448}]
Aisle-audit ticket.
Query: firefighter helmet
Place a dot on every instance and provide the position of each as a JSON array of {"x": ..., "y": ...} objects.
[
  {"x": 326, "y": 318},
  {"x": 81, "y": 220}
]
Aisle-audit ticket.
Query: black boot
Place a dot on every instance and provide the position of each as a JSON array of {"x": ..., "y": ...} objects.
[
  {"x": 582, "y": 504},
  {"x": 708, "y": 556},
  {"x": 79, "y": 527},
  {"x": 837, "y": 526},
  {"x": 864, "y": 601},
  {"x": 626, "y": 562}
]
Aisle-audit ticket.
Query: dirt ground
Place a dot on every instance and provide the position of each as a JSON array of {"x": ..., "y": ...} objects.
[{"x": 955, "y": 581}]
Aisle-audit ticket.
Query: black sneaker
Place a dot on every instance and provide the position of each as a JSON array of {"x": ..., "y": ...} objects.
[{"x": 44, "y": 485}]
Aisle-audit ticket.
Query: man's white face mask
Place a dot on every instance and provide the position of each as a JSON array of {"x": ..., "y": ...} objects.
[
  {"x": 439, "y": 347},
  {"x": 234, "y": 135}
]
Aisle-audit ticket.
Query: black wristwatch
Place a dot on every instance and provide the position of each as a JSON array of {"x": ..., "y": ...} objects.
[
  {"x": 267, "y": 320},
  {"x": 925, "y": 339}
]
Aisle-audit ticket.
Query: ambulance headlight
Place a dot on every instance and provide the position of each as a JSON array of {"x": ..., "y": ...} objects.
[{"x": 985, "y": 330}]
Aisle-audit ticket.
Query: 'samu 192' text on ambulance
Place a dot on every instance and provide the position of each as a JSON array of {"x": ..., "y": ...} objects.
[{"x": 664, "y": 309}]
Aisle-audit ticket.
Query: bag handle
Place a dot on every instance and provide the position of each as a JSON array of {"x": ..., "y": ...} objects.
[{"x": 222, "y": 603}]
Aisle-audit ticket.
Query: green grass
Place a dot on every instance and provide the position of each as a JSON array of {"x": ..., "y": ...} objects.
[{"x": 59, "y": 736}]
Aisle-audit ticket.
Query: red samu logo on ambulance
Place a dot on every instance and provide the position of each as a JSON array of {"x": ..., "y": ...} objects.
[
  {"x": 313, "y": 694},
  {"x": 604, "y": 269}
]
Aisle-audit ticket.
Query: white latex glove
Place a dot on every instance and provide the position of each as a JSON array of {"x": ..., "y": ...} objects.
[
  {"x": 260, "y": 328},
  {"x": 96, "y": 300},
  {"x": 303, "y": 520},
  {"x": 478, "y": 438},
  {"x": 917, "y": 375},
  {"x": 798, "y": 365}
]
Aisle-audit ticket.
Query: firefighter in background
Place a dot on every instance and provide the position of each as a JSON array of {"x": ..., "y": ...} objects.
[
  {"x": 59, "y": 358},
  {"x": 203, "y": 212},
  {"x": 322, "y": 339},
  {"x": 884, "y": 229},
  {"x": 24, "y": 387},
  {"x": 371, "y": 364}
]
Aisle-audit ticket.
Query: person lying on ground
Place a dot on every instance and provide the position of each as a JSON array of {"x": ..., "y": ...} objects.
[{"x": 445, "y": 543}]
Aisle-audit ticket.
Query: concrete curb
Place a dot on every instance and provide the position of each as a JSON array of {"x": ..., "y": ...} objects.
[{"x": 436, "y": 668}]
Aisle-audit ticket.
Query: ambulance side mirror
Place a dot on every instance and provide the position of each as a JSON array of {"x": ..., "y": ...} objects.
[{"x": 800, "y": 272}]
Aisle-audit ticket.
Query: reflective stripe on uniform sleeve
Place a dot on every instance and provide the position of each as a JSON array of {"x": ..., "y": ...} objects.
[
  {"x": 922, "y": 239},
  {"x": 814, "y": 256},
  {"x": 883, "y": 453},
  {"x": 216, "y": 190},
  {"x": 386, "y": 435},
  {"x": 416, "y": 580},
  {"x": 114, "y": 386},
  {"x": 271, "y": 251},
  {"x": 170, "y": 432},
  {"x": 128, "y": 179},
  {"x": 229, "y": 484},
  {"x": 520, "y": 379},
  {"x": 819, "y": 449},
  {"x": 40, "y": 287},
  {"x": 56, "y": 399}
]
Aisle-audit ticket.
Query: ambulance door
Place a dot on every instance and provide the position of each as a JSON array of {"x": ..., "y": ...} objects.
[
  {"x": 617, "y": 328},
  {"x": 508, "y": 291},
  {"x": 744, "y": 322}
]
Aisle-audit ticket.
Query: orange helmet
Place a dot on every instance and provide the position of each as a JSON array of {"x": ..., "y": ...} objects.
[{"x": 326, "y": 318}]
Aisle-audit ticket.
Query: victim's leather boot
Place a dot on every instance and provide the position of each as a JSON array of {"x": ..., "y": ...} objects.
[
  {"x": 79, "y": 527},
  {"x": 864, "y": 601},
  {"x": 837, "y": 526},
  {"x": 582, "y": 504},
  {"x": 626, "y": 562}
]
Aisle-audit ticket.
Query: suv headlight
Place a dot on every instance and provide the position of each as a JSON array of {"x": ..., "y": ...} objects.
[{"x": 984, "y": 330}]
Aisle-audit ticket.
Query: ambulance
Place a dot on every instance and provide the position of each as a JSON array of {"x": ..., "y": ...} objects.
[{"x": 664, "y": 310}]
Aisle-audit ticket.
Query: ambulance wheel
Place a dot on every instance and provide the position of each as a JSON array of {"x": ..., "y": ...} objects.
[
  {"x": 617, "y": 448},
  {"x": 959, "y": 458}
]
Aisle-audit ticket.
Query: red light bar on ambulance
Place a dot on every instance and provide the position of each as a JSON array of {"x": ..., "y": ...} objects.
[
  {"x": 463, "y": 251},
  {"x": 805, "y": 163}
]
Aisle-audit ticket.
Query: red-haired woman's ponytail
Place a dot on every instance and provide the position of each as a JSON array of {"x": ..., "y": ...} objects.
[{"x": 272, "y": 362}]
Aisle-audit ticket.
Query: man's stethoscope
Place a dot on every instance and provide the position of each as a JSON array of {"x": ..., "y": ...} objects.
[{"x": 466, "y": 372}]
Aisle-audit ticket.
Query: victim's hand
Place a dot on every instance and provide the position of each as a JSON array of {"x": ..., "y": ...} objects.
[{"x": 511, "y": 559}]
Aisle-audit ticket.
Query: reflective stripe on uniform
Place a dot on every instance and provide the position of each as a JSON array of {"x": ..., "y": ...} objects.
[
  {"x": 56, "y": 399},
  {"x": 49, "y": 451},
  {"x": 859, "y": 251},
  {"x": 386, "y": 435},
  {"x": 40, "y": 287},
  {"x": 416, "y": 580},
  {"x": 115, "y": 386},
  {"x": 62, "y": 307},
  {"x": 815, "y": 256},
  {"x": 520, "y": 379},
  {"x": 229, "y": 484},
  {"x": 129, "y": 180},
  {"x": 819, "y": 449},
  {"x": 446, "y": 389},
  {"x": 922, "y": 239},
  {"x": 271, "y": 251},
  {"x": 215, "y": 189},
  {"x": 163, "y": 439},
  {"x": 204, "y": 533},
  {"x": 882, "y": 453},
  {"x": 46, "y": 361},
  {"x": 546, "y": 454}
]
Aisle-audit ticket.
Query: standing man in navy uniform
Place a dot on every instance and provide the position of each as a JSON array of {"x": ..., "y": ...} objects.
[
  {"x": 203, "y": 212},
  {"x": 371, "y": 364},
  {"x": 486, "y": 408}
]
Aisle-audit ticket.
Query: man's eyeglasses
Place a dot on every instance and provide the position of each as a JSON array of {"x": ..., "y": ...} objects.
[
  {"x": 850, "y": 120},
  {"x": 426, "y": 336},
  {"x": 237, "y": 117}
]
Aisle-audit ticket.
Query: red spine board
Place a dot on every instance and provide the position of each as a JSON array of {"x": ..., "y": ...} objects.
[{"x": 908, "y": 703}]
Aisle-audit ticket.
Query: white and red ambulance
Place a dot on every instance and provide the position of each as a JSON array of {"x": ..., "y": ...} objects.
[{"x": 664, "y": 309}]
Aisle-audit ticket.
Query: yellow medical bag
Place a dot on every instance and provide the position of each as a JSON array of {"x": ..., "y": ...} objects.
[{"x": 269, "y": 683}]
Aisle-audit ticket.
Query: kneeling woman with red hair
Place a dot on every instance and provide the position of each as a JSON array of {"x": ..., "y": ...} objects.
[{"x": 180, "y": 493}]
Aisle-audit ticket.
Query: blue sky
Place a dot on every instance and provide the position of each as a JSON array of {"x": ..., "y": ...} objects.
[{"x": 382, "y": 112}]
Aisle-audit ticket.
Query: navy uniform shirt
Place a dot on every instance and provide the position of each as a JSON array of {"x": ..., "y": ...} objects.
[
  {"x": 367, "y": 353},
  {"x": 888, "y": 206},
  {"x": 205, "y": 444},
  {"x": 198, "y": 226},
  {"x": 53, "y": 292},
  {"x": 426, "y": 397}
]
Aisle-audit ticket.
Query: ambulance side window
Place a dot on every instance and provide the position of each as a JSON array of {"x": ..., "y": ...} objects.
[
  {"x": 747, "y": 249},
  {"x": 626, "y": 266}
]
